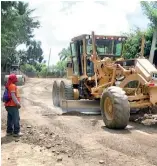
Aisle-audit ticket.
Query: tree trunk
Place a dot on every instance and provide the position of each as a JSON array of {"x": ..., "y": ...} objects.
[{"x": 151, "y": 56}]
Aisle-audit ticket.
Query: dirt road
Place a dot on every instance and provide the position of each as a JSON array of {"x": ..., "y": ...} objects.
[{"x": 51, "y": 139}]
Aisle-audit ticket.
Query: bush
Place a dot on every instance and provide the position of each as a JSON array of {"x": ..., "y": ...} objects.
[
  {"x": 43, "y": 71},
  {"x": 27, "y": 68}
]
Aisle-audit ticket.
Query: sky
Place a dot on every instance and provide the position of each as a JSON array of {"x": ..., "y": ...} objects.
[{"x": 62, "y": 20}]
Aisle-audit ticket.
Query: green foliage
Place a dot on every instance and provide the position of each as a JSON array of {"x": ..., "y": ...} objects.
[
  {"x": 27, "y": 68},
  {"x": 133, "y": 44},
  {"x": 17, "y": 27},
  {"x": 43, "y": 71},
  {"x": 64, "y": 54},
  {"x": 61, "y": 65},
  {"x": 33, "y": 55},
  {"x": 150, "y": 9},
  {"x": 58, "y": 70},
  {"x": 40, "y": 69},
  {"x": 39, "y": 66}
]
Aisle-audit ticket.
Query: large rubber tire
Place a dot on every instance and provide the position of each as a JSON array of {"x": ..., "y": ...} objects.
[
  {"x": 55, "y": 94},
  {"x": 66, "y": 91},
  {"x": 118, "y": 118}
]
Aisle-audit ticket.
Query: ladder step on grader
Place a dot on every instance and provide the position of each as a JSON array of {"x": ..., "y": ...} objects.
[{"x": 99, "y": 80}]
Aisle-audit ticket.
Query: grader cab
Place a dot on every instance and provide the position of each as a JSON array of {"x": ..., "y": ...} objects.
[
  {"x": 14, "y": 69},
  {"x": 97, "y": 75},
  {"x": 82, "y": 47}
]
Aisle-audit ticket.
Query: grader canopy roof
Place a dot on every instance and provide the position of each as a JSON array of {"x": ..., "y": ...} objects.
[
  {"x": 107, "y": 37},
  {"x": 105, "y": 45}
]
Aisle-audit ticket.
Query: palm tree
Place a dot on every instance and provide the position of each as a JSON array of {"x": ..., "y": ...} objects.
[{"x": 64, "y": 54}]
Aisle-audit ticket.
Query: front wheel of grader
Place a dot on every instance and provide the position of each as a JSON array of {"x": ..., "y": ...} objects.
[
  {"x": 115, "y": 108},
  {"x": 66, "y": 91},
  {"x": 55, "y": 94}
]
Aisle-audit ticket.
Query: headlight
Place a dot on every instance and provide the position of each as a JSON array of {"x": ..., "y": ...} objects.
[{"x": 154, "y": 76}]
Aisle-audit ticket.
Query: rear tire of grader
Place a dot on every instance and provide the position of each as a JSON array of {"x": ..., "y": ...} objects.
[
  {"x": 55, "y": 94},
  {"x": 115, "y": 108},
  {"x": 66, "y": 91}
]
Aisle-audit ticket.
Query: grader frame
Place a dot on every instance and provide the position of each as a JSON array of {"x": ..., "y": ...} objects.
[{"x": 117, "y": 84}]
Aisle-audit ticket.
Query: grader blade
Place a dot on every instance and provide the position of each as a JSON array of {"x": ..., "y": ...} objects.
[{"x": 81, "y": 106}]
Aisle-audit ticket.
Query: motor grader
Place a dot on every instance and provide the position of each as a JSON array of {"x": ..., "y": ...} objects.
[
  {"x": 14, "y": 68},
  {"x": 97, "y": 73}
]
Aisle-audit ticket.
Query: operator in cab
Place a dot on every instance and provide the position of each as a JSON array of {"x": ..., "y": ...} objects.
[{"x": 93, "y": 58}]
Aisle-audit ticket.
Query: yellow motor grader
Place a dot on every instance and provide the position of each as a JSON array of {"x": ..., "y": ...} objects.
[
  {"x": 14, "y": 68},
  {"x": 98, "y": 75}
]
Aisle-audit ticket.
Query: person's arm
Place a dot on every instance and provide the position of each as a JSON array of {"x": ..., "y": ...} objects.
[{"x": 14, "y": 98}]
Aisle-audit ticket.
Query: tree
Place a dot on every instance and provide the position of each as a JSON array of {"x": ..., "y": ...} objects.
[
  {"x": 43, "y": 71},
  {"x": 150, "y": 9},
  {"x": 61, "y": 66},
  {"x": 17, "y": 27},
  {"x": 34, "y": 53},
  {"x": 32, "y": 56},
  {"x": 27, "y": 68},
  {"x": 133, "y": 44},
  {"x": 64, "y": 54}
]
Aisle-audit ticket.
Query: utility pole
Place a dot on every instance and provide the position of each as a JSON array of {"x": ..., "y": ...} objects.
[
  {"x": 48, "y": 63},
  {"x": 142, "y": 45}
]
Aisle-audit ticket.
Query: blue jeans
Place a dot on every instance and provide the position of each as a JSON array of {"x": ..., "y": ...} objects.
[{"x": 13, "y": 120}]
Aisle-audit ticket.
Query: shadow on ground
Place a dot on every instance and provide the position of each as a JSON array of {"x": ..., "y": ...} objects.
[{"x": 8, "y": 139}]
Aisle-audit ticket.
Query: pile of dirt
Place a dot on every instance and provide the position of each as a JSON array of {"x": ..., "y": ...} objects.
[
  {"x": 149, "y": 119},
  {"x": 48, "y": 139},
  {"x": 145, "y": 119}
]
